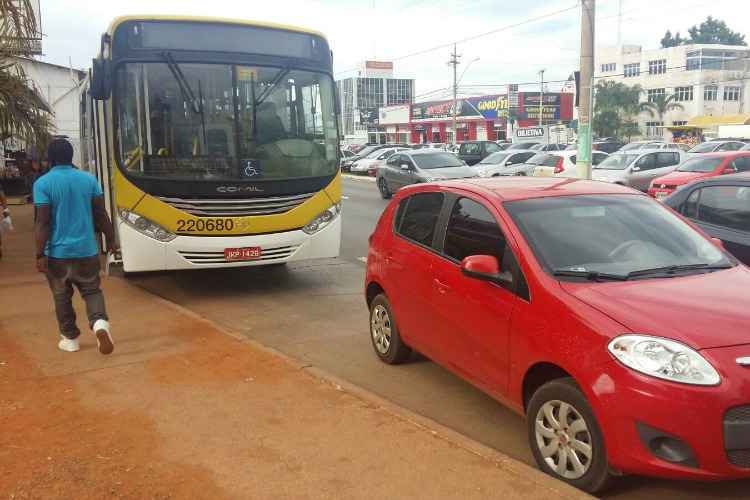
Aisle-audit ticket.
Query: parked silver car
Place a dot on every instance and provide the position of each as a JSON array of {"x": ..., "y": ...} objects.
[
  {"x": 637, "y": 168},
  {"x": 716, "y": 147},
  {"x": 423, "y": 165},
  {"x": 494, "y": 164}
]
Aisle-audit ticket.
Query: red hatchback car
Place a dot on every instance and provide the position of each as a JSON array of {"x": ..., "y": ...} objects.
[
  {"x": 616, "y": 327},
  {"x": 700, "y": 166}
]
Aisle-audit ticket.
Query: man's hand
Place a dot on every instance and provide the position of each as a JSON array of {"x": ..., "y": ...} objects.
[{"x": 41, "y": 264}]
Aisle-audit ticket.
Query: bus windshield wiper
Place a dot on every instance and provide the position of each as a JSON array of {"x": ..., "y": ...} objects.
[
  {"x": 590, "y": 275},
  {"x": 677, "y": 268},
  {"x": 187, "y": 93}
]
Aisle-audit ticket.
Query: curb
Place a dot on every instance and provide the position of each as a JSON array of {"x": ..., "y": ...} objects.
[{"x": 439, "y": 431}]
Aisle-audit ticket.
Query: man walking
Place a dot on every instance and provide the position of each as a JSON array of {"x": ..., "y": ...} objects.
[{"x": 70, "y": 205}]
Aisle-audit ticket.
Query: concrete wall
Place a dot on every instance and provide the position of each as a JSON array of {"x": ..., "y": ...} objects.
[{"x": 60, "y": 88}]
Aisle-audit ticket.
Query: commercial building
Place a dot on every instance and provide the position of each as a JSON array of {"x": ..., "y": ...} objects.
[
  {"x": 362, "y": 96},
  {"x": 710, "y": 82},
  {"x": 486, "y": 117}
]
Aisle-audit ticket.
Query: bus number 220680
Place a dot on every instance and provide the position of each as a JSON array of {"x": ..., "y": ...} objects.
[{"x": 200, "y": 225}]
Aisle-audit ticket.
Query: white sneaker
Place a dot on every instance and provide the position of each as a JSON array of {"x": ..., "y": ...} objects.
[
  {"x": 68, "y": 345},
  {"x": 103, "y": 337}
]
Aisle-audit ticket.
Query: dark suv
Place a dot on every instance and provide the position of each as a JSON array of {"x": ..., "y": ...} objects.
[{"x": 475, "y": 151}]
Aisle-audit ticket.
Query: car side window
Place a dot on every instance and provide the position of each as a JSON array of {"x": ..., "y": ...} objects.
[
  {"x": 386, "y": 155},
  {"x": 491, "y": 147},
  {"x": 730, "y": 146},
  {"x": 596, "y": 158},
  {"x": 472, "y": 230},
  {"x": 690, "y": 207},
  {"x": 394, "y": 160},
  {"x": 647, "y": 162},
  {"x": 667, "y": 159},
  {"x": 726, "y": 206},
  {"x": 742, "y": 164},
  {"x": 417, "y": 217}
]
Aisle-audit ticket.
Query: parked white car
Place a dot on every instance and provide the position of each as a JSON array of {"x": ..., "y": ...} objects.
[
  {"x": 563, "y": 163},
  {"x": 716, "y": 147},
  {"x": 375, "y": 159},
  {"x": 496, "y": 163}
]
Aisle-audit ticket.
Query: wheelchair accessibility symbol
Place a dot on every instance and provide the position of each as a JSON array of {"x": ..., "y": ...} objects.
[{"x": 251, "y": 168}]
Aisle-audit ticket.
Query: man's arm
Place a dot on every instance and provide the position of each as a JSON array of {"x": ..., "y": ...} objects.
[
  {"x": 102, "y": 223},
  {"x": 41, "y": 235}
]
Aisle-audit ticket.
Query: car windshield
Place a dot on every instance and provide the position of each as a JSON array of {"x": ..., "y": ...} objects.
[
  {"x": 700, "y": 165},
  {"x": 429, "y": 161},
  {"x": 612, "y": 234},
  {"x": 494, "y": 158},
  {"x": 366, "y": 151},
  {"x": 216, "y": 122},
  {"x": 375, "y": 153},
  {"x": 652, "y": 145},
  {"x": 617, "y": 162},
  {"x": 632, "y": 146},
  {"x": 706, "y": 147}
]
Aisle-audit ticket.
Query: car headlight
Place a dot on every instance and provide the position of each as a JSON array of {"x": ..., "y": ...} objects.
[
  {"x": 145, "y": 226},
  {"x": 323, "y": 219},
  {"x": 664, "y": 358}
]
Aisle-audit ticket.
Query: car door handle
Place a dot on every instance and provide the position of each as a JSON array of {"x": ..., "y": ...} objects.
[{"x": 442, "y": 288}]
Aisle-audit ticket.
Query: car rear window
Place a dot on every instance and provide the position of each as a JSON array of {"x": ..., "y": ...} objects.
[
  {"x": 470, "y": 148},
  {"x": 417, "y": 217},
  {"x": 437, "y": 159}
]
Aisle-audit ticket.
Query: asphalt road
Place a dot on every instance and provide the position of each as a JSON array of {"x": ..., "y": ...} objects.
[{"x": 315, "y": 312}]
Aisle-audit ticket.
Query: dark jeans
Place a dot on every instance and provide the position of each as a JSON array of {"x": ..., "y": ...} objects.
[{"x": 62, "y": 275}]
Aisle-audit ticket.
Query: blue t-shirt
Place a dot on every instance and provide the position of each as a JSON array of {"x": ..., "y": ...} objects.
[{"x": 69, "y": 193}]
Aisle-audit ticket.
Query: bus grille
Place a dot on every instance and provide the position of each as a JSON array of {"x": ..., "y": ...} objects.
[
  {"x": 229, "y": 207},
  {"x": 267, "y": 254}
]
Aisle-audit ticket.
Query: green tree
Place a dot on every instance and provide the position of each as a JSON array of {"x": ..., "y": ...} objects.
[
  {"x": 671, "y": 41},
  {"x": 661, "y": 105},
  {"x": 23, "y": 112},
  {"x": 715, "y": 31},
  {"x": 615, "y": 103}
]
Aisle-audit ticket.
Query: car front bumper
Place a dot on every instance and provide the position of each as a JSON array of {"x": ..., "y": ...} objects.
[
  {"x": 640, "y": 414},
  {"x": 142, "y": 253}
]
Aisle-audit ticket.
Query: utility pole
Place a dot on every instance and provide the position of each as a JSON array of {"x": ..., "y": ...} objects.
[
  {"x": 541, "y": 97},
  {"x": 585, "y": 112},
  {"x": 455, "y": 62}
]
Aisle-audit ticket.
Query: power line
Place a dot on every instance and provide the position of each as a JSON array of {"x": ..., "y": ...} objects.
[{"x": 474, "y": 37}]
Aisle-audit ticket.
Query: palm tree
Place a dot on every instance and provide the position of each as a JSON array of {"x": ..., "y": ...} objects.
[
  {"x": 23, "y": 112},
  {"x": 661, "y": 105}
]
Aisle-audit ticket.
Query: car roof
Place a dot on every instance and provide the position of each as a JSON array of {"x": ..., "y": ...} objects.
[
  {"x": 722, "y": 154},
  {"x": 520, "y": 188},
  {"x": 425, "y": 151},
  {"x": 742, "y": 178}
]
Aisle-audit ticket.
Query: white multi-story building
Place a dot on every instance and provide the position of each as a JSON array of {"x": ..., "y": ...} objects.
[{"x": 711, "y": 82}]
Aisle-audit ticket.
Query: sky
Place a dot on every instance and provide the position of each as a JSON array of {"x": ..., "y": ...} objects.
[{"x": 525, "y": 36}]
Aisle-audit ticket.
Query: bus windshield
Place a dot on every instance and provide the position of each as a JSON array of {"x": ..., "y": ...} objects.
[{"x": 218, "y": 122}]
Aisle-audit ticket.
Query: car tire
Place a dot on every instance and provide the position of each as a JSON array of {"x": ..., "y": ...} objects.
[
  {"x": 546, "y": 434},
  {"x": 384, "y": 334},
  {"x": 383, "y": 187}
]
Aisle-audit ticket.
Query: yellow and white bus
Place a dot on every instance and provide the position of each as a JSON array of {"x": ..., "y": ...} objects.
[{"x": 216, "y": 142}]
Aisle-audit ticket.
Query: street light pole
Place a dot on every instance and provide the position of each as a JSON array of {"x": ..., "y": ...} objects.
[
  {"x": 541, "y": 97},
  {"x": 454, "y": 62},
  {"x": 585, "y": 112}
]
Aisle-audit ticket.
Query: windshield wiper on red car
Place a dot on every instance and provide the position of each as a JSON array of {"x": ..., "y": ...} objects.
[
  {"x": 669, "y": 270},
  {"x": 590, "y": 275}
]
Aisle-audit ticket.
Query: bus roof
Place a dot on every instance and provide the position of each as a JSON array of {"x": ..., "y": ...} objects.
[{"x": 201, "y": 19}]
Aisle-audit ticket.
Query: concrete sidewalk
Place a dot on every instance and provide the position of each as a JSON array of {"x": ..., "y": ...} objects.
[{"x": 184, "y": 409}]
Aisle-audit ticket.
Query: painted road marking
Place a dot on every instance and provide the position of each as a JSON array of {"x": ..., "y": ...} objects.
[
  {"x": 358, "y": 177},
  {"x": 362, "y": 259},
  {"x": 343, "y": 197}
]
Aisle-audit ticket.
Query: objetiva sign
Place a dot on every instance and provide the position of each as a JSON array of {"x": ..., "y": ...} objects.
[{"x": 530, "y": 133}]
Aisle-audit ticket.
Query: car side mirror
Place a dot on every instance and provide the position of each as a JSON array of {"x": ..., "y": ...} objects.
[
  {"x": 718, "y": 243},
  {"x": 485, "y": 268},
  {"x": 405, "y": 167},
  {"x": 636, "y": 168},
  {"x": 729, "y": 170}
]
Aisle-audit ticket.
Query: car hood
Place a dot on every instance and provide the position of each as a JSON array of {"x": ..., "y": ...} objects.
[
  {"x": 601, "y": 174},
  {"x": 449, "y": 173},
  {"x": 701, "y": 310},
  {"x": 679, "y": 178}
]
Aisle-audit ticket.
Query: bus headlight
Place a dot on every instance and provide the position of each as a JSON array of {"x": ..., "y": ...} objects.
[
  {"x": 145, "y": 226},
  {"x": 323, "y": 219}
]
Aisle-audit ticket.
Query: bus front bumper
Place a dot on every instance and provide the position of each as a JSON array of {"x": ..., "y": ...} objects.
[{"x": 141, "y": 253}]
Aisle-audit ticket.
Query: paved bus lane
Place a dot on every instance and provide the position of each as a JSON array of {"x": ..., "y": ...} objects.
[{"x": 315, "y": 312}]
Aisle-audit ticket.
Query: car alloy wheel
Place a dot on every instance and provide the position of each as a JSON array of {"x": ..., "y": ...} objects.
[
  {"x": 563, "y": 439},
  {"x": 383, "y": 187},
  {"x": 380, "y": 327}
]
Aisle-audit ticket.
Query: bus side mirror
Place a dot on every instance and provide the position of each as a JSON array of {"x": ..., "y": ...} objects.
[{"x": 100, "y": 87}]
